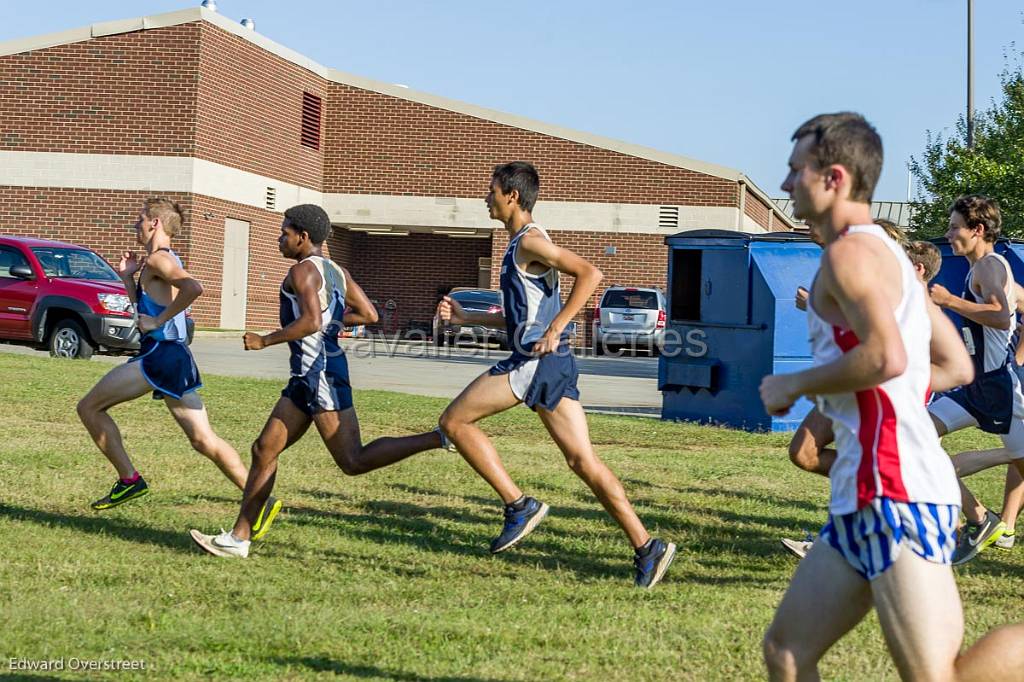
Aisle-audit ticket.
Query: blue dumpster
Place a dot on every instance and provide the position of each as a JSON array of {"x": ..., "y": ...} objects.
[{"x": 732, "y": 320}]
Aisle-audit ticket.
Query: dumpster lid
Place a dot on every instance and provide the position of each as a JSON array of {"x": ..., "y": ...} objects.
[{"x": 741, "y": 238}]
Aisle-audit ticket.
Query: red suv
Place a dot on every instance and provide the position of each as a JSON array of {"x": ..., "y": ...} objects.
[{"x": 63, "y": 297}]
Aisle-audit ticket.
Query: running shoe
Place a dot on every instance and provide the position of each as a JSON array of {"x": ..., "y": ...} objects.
[
  {"x": 519, "y": 523},
  {"x": 221, "y": 545},
  {"x": 446, "y": 444},
  {"x": 266, "y": 517},
  {"x": 121, "y": 493},
  {"x": 800, "y": 548},
  {"x": 975, "y": 538},
  {"x": 1006, "y": 541},
  {"x": 652, "y": 564}
]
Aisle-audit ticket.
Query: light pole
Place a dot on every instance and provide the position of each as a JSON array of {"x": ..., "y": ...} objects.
[{"x": 970, "y": 74}]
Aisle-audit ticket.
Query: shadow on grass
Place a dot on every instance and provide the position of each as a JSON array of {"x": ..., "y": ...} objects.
[
  {"x": 412, "y": 525},
  {"x": 99, "y": 525},
  {"x": 328, "y": 665}
]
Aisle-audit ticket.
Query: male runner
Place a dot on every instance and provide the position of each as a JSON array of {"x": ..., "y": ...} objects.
[
  {"x": 314, "y": 297},
  {"x": 888, "y": 541},
  {"x": 541, "y": 372},
  {"x": 992, "y": 402},
  {"x": 808, "y": 448},
  {"x": 164, "y": 364}
]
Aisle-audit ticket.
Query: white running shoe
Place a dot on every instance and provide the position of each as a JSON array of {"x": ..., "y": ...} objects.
[
  {"x": 445, "y": 443},
  {"x": 221, "y": 545},
  {"x": 798, "y": 547},
  {"x": 1005, "y": 542}
]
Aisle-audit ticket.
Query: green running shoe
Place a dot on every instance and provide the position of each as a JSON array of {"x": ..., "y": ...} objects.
[
  {"x": 975, "y": 538},
  {"x": 121, "y": 493}
]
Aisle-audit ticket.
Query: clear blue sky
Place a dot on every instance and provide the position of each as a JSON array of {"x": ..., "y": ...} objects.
[{"x": 721, "y": 82}]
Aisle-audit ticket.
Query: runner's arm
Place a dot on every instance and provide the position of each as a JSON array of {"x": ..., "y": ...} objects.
[
  {"x": 851, "y": 275},
  {"x": 305, "y": 282},
  {"x": 990, "y": 276},
  {"x": 361, "y": 311},
  {"x": 585, "y": 276},
  {"x": 188, "y": 288},
  {"x": 951, "y": 365}
]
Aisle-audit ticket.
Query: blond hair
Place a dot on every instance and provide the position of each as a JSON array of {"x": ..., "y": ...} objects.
[
  {"x": 926, "y": 255},
  {"x": 895, "y": 233},
  {"x": 169, "y": 213}
]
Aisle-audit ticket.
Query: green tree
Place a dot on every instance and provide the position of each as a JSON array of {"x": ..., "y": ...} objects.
[{"x": 995, "y": 167}]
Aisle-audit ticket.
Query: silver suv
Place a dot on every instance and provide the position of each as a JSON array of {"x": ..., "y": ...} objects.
[{"x": 632, "y": 317}]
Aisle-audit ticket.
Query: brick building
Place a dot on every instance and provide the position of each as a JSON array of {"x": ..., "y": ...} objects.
[{"x": 237, "y": 128}]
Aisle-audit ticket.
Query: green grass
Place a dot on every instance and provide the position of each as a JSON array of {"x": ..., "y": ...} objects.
[{"x": 387, "y": 576}]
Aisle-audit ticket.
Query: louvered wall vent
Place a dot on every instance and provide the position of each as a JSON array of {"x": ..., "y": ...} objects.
[
  {"x": 271, "y": 198},
  {"x": 668, "y": 216},
  {"x": 311, "y": 108}
]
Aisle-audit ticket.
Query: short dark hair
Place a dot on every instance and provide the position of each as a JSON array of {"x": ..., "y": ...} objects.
[
  {"x": 849, "y": 140},
  {"x": 926, "y": 255},
  {"x": 311, "y": 219},
  {"x": 978, "y": 209},
  {"x": 521, "y": 177}
]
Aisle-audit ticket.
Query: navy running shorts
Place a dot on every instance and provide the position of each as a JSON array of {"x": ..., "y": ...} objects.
[{"x": 169, "y": 368}]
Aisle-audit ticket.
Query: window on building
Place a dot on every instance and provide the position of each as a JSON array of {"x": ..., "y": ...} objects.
[{"x": 311, "y": 109}]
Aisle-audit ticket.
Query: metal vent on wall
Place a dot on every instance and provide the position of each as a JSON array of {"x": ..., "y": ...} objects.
[
  {"x": 311, "y": 108},
  {"x": 668, "y": 216},
  {"x": 271, "y": 198}
]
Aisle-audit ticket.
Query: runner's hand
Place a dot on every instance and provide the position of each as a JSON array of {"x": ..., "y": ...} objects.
[
  {"x": 548, "y": 343},
  {"x": 777, "y": 394},
  {"x": 148, "y": 323},
  {"x": 129, "y": 264},
  {"x": 253, "y": 341},
  {"x": 940, "y": 295},
  {"x": 451, "y": 311}
]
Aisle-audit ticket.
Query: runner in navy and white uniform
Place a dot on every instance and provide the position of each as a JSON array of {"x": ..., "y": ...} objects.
[
  {"x": 317, "y": 298},
  {"x": 541, "y": 372},
  {"x": 877, "y": 345},
  {"x": 992, "y": 402}
]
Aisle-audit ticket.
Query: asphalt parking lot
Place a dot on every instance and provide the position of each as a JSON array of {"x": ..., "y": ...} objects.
[{"x": 607, "y": 384}]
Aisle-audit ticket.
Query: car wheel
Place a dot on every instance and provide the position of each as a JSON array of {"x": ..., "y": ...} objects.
[{"x": 69, "y": 340}]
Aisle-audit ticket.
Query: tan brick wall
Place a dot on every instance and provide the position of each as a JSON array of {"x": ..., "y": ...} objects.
[
  {"x": 250, "y": 110},
  {"x": 99, "y": 219},
  {"x": 378, "y": 144},
  {"x": 756, "y": 209},
  {"x": 133, "y": 93}
]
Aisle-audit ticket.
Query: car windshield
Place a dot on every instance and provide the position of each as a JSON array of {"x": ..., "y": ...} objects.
[
  {"x": 477, "y": 297},
  {"x": 74, "y": 264},
  {"x": 623, "y": 298}
]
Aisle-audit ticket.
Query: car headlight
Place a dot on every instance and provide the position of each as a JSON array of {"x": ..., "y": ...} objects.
[{"x": 115, "y": 303}]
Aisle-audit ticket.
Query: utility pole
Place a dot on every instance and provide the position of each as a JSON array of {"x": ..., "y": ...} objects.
[{"x": 970, "y": 74}]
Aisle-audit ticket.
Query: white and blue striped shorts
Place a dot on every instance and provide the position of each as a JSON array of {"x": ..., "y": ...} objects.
[{"x": 871, "y": 539}]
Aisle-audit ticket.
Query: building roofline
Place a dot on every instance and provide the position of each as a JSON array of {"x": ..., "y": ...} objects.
[{"x": 194, "y": 14}]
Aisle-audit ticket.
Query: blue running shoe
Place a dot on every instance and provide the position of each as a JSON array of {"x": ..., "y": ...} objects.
[
  {"x": 519, "y": 523},
  {"x": 651, "y": 565}
]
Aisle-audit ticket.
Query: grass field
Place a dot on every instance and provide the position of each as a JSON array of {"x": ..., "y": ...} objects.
[{"x": 387, "y": 576}]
